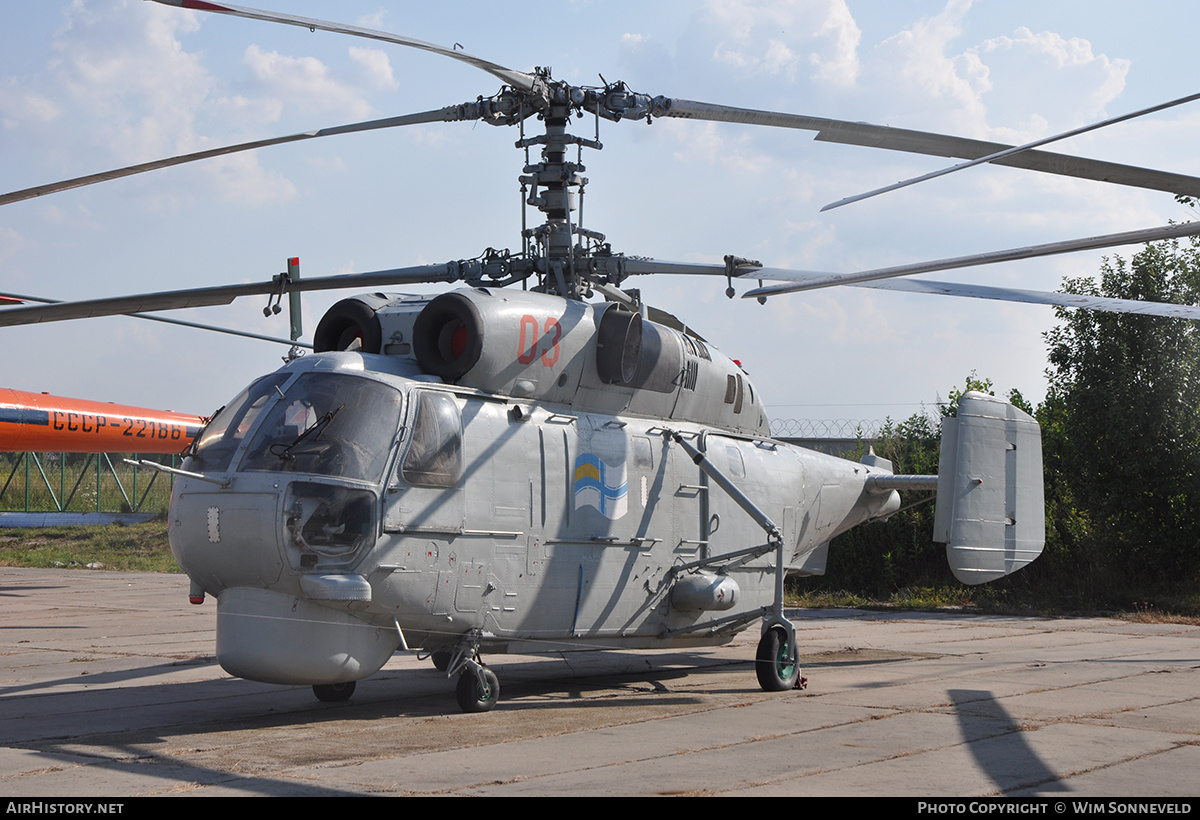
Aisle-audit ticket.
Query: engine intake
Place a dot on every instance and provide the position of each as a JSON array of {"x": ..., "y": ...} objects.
[{"x": 448, "y": 336}]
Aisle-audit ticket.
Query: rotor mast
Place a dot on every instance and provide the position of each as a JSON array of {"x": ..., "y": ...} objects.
[{"x": 552, "y": 183}]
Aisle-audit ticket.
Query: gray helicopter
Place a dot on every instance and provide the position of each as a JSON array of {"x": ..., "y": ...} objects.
[{"x": 558, "y": 466}]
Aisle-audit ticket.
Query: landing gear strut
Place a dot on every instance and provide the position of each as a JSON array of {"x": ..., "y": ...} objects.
[
  {"x": 775, "y": 660},
  {"x": 478, "y": 687}
]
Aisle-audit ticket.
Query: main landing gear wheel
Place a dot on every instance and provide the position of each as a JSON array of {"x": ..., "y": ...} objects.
[
  {"x": 441, "y": 659},
  {"x": 478, "y": 693},
  {"x": 333, "y": 692},
  {"x": 775, "y": 663}
]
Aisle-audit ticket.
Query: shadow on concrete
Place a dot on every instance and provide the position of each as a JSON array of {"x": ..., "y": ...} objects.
[{"x": 998, "y": 744}]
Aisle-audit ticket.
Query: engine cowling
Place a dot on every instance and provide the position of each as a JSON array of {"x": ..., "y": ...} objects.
[{"x": 601, "y": 358}]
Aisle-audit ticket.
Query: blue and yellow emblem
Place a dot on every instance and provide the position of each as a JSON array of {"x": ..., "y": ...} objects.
[{"x": 602, "y": 486}]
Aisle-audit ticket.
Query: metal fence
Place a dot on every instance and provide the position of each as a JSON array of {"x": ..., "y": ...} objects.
[
  {"x": 866, "y": 429},
  {"x": 82, "y": 483},
  {"x": 104, "y": 483}
]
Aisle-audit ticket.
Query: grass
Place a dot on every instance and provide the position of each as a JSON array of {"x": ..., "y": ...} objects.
[
  {"x": 991, "y": 600},
  {"x": 70, "y": 482},
  {"x": 126, "y": 547},
  {"x": 143, "y": 548},
  {"x": 918, "y": 598}
]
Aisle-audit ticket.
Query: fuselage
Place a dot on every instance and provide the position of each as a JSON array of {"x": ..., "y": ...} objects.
[{"x": 353, "y": 504}]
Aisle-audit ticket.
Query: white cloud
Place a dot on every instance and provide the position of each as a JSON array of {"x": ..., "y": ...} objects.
[
  {"x": 915, "y": 71},
  {"x": 839, "y": 65},
  {"x": 305, "y": 82},
  {"x": 1011, "y": 87},
  {"x": 10, "y": 242},
  {"x": 718, "y": 146},
  {"x": 1061, "y": 77},
  {"x": 128, "y": 72},
  {"x": 376, "y": 66},
  {"x": 19, "y": 105},
  {"x": 373, "y": 21},
  {"x": 785, "y": 39}
]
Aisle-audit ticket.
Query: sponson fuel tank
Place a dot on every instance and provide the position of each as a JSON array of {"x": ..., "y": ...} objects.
[{"x": 529, "y": 345}]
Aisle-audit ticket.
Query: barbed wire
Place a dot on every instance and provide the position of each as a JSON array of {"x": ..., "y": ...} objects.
[{"x": 827, "y": 428}]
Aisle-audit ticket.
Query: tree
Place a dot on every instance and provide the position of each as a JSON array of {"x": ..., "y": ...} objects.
[
  {"x": 1121, "y": 433},
  {"x": 882, "y": 557},
  {"x": 879, "y": 558}
]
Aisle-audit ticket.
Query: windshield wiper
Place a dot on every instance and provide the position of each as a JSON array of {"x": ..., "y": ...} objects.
[{"x": 285, "y": 454}]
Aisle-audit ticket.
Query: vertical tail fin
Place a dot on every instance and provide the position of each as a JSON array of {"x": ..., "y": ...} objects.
[{"x": 990, "y": 505}]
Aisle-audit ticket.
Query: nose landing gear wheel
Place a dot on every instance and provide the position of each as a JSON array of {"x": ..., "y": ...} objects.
[
  {"x": 333, "y": 692},
  {"x": 775, "y": 663},
  {"x": 478, "y": 693}
]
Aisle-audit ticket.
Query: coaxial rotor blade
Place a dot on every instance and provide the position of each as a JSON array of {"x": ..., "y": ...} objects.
[
  {"x": 4, "y": 297},
  {"x": 635, "y": 266},
  {"x": 939, "y": 145},
  {"x": 222, "y": 295},
  {"x": 450, "y": 113},
  {"x": 1009, "y": 152},
  {"x": 811, "y": 280},
  {"x": 1037, "y": 297},
  {"x": 517, "y": 79}
]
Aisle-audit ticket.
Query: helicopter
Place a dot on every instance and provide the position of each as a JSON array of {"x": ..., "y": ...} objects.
[{"x": 500, "y": 469}]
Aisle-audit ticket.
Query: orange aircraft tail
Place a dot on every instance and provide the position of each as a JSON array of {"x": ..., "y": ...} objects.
[{"x": 37, "y": 422}]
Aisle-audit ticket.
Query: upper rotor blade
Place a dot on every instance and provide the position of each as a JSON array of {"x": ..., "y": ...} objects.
[
  {"x": 1038, "y": 297},
  {"x": 448, "y": 114},
  {"x": 517, "y": 79},
  {"x": 1009, "y": 152},
  {"x": 808, "y": 280},
  {"x": 222, "y": 295},
  {"x": 938, "y": 145}
]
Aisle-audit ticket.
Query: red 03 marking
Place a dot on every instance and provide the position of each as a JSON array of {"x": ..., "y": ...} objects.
[{"x": 528, "y": 347}]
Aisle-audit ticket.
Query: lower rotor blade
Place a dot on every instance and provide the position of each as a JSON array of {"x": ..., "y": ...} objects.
[
  {"x": 809, "y": 280},
  {"x": 214, "y": 328},
  {"x": 644, "y": 266},
  {"x": 223, "y": 295},
  {"x": 1037, "y": 297}
]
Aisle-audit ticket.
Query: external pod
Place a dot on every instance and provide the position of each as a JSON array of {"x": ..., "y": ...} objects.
[{"x": 704, "y": 592}]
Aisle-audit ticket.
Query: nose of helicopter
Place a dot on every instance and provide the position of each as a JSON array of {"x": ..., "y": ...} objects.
[{"x": 224, "y": 539}]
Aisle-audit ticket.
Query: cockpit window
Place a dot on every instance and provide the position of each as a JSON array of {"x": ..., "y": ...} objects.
[
  {"x": 434, "y": 457},
  {"x": 226, "y": 431},
  {"x": 328, "y": 424}
]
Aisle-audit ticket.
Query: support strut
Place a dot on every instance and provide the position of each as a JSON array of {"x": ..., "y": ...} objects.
[{"x": 777, "y": 653}]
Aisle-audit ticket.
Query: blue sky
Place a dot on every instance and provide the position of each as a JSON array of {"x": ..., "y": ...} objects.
[{"x": 95, "y": 84}]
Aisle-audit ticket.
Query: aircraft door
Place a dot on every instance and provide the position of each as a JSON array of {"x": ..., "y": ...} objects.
[
  {"x": 424, "y": 492},
  {"x": 552, "y": 557}
]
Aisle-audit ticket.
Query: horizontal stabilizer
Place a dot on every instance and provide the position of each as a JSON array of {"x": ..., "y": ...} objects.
[{"x": 990, "y": 505}]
